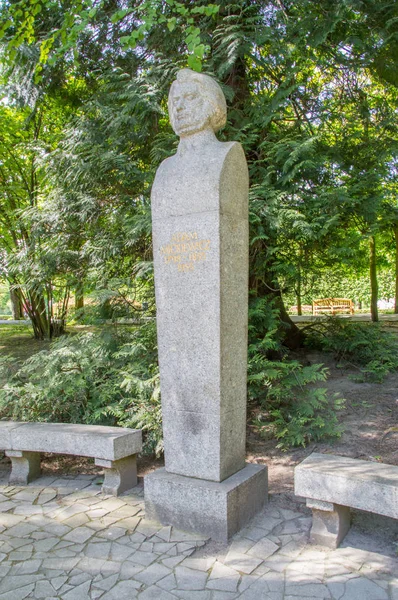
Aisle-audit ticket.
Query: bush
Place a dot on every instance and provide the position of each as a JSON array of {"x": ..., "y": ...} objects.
[
  {"x": 112, "y": 378},
  {"x": 292, "y": 408},
  {"x": 108, "y": 378},
  {"x": 368, "y": 347}
]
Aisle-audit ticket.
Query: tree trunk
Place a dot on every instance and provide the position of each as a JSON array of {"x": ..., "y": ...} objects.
[
  {"x": 293, "y": 336},
  {"x": 37, "y": 305},
  {"x": 16, "y": 304},
  {"x": 79, "y": 297},
  {"x": 298, "y": 295},
  {"x": 299, "y": 308},
  {"x": 373, "y": 279},
  {"x": 396, "y": 268},
  {"x": 57, "y": 327},
  {"x": 39, "y": 316},
  {"x": 106, "y": 310},
  {"x": 261, "y": 282}
]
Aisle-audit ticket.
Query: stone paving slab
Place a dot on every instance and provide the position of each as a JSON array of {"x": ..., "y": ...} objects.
[{"x": 60, "y": 538}]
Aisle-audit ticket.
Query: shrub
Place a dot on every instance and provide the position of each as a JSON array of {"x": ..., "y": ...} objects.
[
  {"x": 112, "y": 378},
  {"x": 108, "y": 378},
  {"x": 292, "y": 408},
  {"x": 368, "y": 347},
  {"x": 295, "y": 411}
]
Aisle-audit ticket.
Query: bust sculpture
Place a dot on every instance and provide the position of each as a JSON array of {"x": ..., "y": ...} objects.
[
  {"x": 197, "y": 110},
  {"x": 200, "y": 249},
  {"x": 196, "y": 103}
]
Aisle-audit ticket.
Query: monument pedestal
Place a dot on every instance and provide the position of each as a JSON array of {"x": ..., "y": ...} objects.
[{"x": 214, "y": 509}]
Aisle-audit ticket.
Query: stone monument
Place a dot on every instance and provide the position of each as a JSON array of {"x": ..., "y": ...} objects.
[{"x": 200, "y": 244}]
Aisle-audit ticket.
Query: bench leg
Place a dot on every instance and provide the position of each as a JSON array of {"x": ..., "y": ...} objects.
[
  {"x": 25, "y": 466},
  {"x": 330, "y": 523},
  {"x": 119, "y": 475}
]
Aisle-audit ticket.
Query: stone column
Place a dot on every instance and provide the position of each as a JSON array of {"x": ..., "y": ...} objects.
[{"x": 200, "y": 244}]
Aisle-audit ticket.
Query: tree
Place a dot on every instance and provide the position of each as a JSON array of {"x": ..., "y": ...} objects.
[
  {"x": 307, "y": 100},
  {"x": 26, "y": 259}
]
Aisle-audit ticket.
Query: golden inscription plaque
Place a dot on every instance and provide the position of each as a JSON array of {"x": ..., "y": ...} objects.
[{"x": 184, "y": 250}]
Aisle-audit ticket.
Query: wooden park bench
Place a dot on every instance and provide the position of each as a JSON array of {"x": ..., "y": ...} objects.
[
  {"x": 332, "y": 306},
  {"x": 113, "y": 448},
  {"x": 334, "y": 484}
]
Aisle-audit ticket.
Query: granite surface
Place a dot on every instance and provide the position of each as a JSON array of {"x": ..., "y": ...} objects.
[
  {"x": 110, "y": 443},
  {"x": 360, "y": 484},
  {"x": 217, "y": 510},
  {"x": 200, "y": 244}
]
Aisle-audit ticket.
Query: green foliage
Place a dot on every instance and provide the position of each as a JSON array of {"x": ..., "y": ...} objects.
[
  {"x": 108, "y": 378},
  {"x": 31, "y": 256},
  {"x": 340, "y": 282},
  {"x": 296, "y": 412},
  {"x": 311, "y": 88},
  {"x": 318, "y": 126},
  {"x": 365, "y": 346},
  {"x": 5, "y": 302},
  {"x": 292, "y": 407},
  {"x": 111, "y": 377},
  {"x": 28, "y": 23}
]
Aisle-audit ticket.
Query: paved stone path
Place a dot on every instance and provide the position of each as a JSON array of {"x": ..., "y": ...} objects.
[
  {"x": 357, "y": 317},
  {"x": 60, "y": 538},
  {"x": 11, "y": 322}
]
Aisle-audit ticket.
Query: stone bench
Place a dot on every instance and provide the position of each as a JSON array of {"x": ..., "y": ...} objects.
[
  {"x": 334, "y": 484},
  {"x": 113, "y": 448}
]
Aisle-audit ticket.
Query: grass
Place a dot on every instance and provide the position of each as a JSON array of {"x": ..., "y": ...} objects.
[{"x": 18, "y": 341}]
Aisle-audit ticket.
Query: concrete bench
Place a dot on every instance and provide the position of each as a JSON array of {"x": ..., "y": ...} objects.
[
  {"x": 334, "y": 484},
  {"x": 113, "y": 448}
]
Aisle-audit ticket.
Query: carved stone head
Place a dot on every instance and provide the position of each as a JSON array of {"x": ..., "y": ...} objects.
[{"x": 196, "y": 102}]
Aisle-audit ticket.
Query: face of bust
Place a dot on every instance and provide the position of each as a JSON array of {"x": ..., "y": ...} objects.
[{"x": 190, "y": 110}]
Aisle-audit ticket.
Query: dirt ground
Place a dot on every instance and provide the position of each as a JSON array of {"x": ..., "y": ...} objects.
[
  {"x": 18, "y": 342},
  {"x": 370, "y": 429},
  {"x": 370, "y": 423}
]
